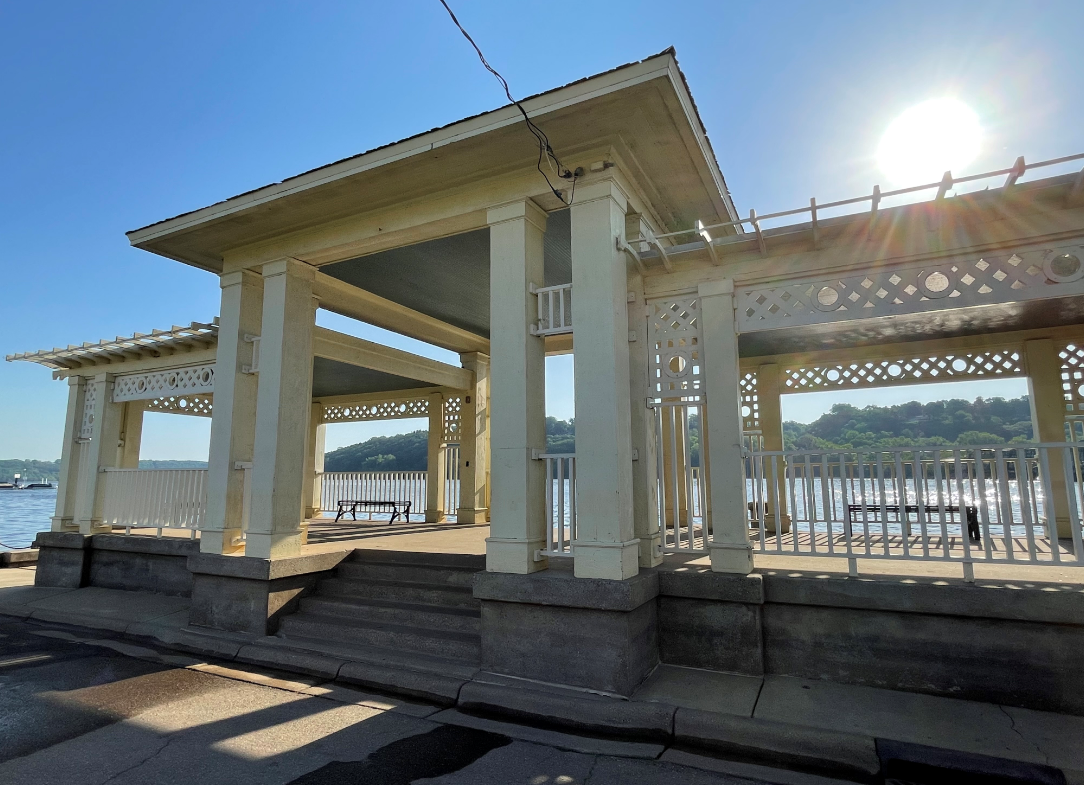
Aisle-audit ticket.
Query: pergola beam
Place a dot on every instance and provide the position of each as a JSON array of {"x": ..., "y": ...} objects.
[
  {"x": 342, "y": 298},
  {"x": 332, "y": 345}
]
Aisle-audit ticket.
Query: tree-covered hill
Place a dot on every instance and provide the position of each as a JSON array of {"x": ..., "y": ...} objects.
[
  {"x": 33, "y": 471},
  {"x": 408, "y": 452},
  {"x": 955, "y": 421}
]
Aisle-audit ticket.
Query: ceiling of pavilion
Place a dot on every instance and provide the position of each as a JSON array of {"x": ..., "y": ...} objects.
[
  {"x": 330, "y": 377},
  {"x": 448, "y": 278}
]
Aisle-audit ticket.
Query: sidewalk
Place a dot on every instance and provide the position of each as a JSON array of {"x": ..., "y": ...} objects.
[{"x": 747, "y": 722}]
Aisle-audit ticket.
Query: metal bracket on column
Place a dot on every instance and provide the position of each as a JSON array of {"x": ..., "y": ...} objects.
[
  {"x": 623, "y": 246},
  {"x": 255, "y": 367},
  {"x": 536, "y": 454}
]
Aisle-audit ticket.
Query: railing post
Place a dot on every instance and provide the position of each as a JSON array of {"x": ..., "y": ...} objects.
[
  {"x": 474, "y": 443},
  {"x": 314, "y": 463},
  {"x": 730, "y": 548},
  {"x": 769, "y": 388}
]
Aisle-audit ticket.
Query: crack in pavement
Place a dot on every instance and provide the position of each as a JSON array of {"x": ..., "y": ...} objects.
[
  {"x": 591, "y": 771},
  {"x": 168, "y": 740},
  {"x": 1014, "y": 729}
]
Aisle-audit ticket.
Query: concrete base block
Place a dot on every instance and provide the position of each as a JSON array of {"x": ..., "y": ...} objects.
[
  {"x": 142, "y": 564},
  {"x": 63, "y": 559},
  {"x": 514, "y": 556},
  {"x": 721, "y": 636},
  {"x": 553, "y": 627},
  {"x": 249, "y": 595},
  {"x": 731, "y": 558}
]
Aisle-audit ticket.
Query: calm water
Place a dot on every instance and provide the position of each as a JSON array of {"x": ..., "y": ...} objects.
[{"x": 23, "y": 514}]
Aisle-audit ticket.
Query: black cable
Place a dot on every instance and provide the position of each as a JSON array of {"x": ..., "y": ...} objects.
[
  {"x": 544, "y": 148},
  {"x": 15, "y": 547}
]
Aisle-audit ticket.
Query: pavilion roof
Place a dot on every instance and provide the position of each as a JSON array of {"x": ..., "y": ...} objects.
[{"x": 156, "y": 343}]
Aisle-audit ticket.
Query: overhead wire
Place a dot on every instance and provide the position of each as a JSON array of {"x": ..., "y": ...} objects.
[{"x": 545, "y": 150}]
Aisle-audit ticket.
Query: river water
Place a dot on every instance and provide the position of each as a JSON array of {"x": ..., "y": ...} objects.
[{"x": 23, "y": 514}]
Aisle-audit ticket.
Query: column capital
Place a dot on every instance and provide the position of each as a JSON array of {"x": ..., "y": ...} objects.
[
  {"x": 602, "y": 189},
  {"x": 521, "y": 209},
  {"x": 238, "y": 277},
  {"x": 289, "y": 266},
  {"x": 716, "y": 288}
]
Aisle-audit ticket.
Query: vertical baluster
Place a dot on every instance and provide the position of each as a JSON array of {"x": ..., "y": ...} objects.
[
  {"x": 1025, "y": 503},
  {"x": 863, "y": 499},
  {"x": 1004, "y": 503},
  {"x": 1074, "y": 483},
  {"x": 1048, "y": 504},
  {"x": 957, "y": 465}
]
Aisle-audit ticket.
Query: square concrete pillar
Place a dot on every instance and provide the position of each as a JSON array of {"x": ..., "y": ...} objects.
[
  {"x": 435, "y": 462},
  {"x": 605, "y": 544},
  {"x": 730, "y": 549},
  {"x": 1048, "y": 420},
  {"x": 131, "y": 434},
  {"x": 474, "y": 443},
  {"x": 283, "y": 405},
  {"x": 68, "y": 485},
  {"x": 102, "y": 421},
  {"x": 233, "y": 418},
  {"x": 518, "y": 389}
]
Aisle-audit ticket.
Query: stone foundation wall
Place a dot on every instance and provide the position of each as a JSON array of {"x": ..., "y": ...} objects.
[{"x": 1000, "y": 642}]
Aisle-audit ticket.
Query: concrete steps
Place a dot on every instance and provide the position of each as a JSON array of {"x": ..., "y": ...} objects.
[{"x": 392, "y": 606}]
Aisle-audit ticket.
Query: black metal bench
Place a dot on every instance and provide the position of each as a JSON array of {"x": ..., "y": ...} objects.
[
  {"x": 398, "y": 509},
  {"x": 856, "y": 513}
]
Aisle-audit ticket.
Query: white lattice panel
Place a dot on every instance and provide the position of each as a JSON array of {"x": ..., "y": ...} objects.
[
  {"x": 674, "y": 331},
  {"x": 750, "y": 402},
  {"x": 904, "y": 370},
  {"x": 1055, "y": 272},
  {"x": 195, "y": 405},
  {"x": 382, "y": 410},
  {"x": 148, "y": 386},
  {"x": 1072, "y": 377},
  {"x": 90, "y": 400},
  {"x": 453, "y": 419}
]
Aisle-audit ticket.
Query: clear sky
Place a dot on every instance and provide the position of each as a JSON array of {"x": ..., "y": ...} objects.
[{"x": 114, "y": 115}]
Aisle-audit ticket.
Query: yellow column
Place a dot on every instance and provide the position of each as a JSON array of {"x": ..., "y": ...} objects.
[
  {"x": 473, "y": 458},
  {"x": 100, "y": 452},
  {"x": 730, "y": 549},
  {"x": 517, "y": 387},
  {"x": 314, "y": 462},
  {"x": 283, "y": 405},
  {"x": 68, "y": 485},
  {"x": 233, "y": 417},
  {"x": 131, "y": 435},
  {"x": 435, "y": 467},
  {"x": 1048, "y": 420},
  {"x": 769, "y": 389}
]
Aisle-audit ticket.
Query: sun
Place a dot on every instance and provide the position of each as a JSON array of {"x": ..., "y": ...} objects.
[{"x": 929, "y": 139}]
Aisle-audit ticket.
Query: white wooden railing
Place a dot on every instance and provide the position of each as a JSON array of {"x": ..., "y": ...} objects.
[
  {"x": 554, "y": 310},
  {"x": 560, "y": 503},
  {"x": 155, "y": 498},
  {"x": 921, "y": 504},
  {"x": 376, "y": 486}
]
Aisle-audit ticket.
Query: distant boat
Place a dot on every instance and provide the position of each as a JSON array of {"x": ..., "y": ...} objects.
[
  {"x": 33, "y": 486},
  {"x": 38, "y": 485}
]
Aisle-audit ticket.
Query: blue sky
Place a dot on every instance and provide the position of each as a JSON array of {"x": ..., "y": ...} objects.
[{"x": 114, "y": 115}]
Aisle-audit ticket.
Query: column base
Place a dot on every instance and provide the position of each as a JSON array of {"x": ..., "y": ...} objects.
[
  {"x": 274, "y": 546},
  {"x": 434, "y": 516},
  {"x": 769, "y": 524},
  {"x": 651, "y": 550},
  {"x": 63, "y": 525},
  {"x": 94, "y": 527},
  {"x": 726, "y": 557},
  {"x": 472, "y": 514},
  {"x": 1064, "y": 527},
  {"x": 514, "y": 556},
  {"x": 224, "y": 541},
  {"x": 615, "y": 561}
]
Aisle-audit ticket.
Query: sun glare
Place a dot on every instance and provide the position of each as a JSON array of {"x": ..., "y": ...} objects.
[{"x": 929, "y": 139}]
